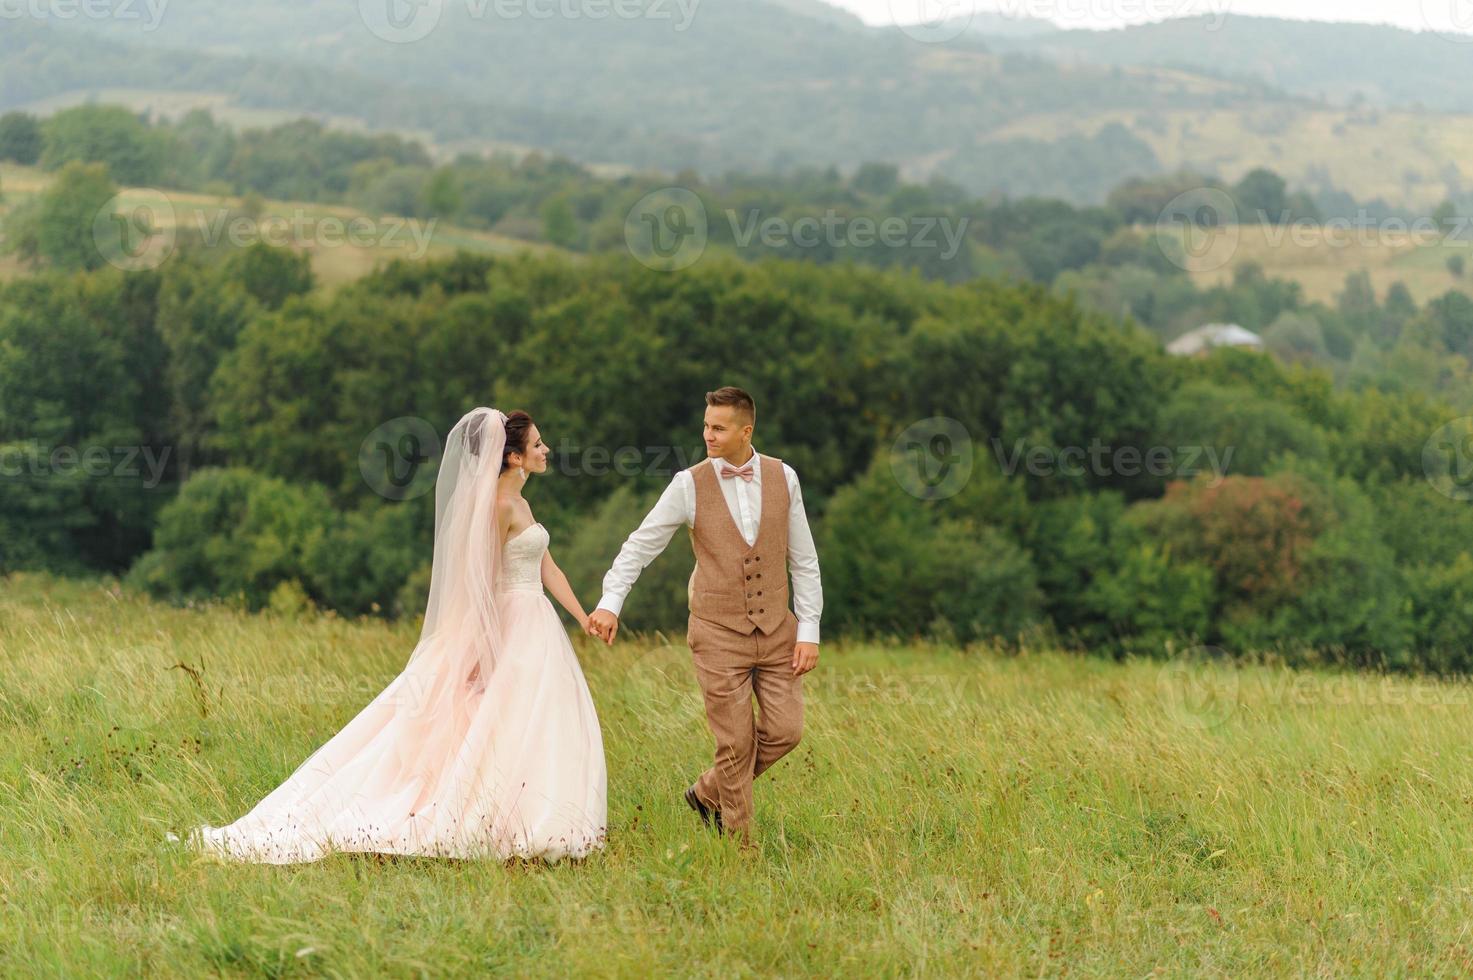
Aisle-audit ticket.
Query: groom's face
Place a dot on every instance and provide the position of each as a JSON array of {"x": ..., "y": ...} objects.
[{"x": 727, "y": 433}]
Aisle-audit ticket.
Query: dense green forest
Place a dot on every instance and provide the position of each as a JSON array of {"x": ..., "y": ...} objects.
[
  {"x": 1323, "y": 532},
  {"x": 1115, "y": 258},
  {"x": 218, "y": 427}
]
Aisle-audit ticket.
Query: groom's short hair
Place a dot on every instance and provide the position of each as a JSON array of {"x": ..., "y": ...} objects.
[{"x": 736, "y": 398}]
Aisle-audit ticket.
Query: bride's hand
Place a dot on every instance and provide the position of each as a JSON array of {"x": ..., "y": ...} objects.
[{"x": 604, "y": 625}]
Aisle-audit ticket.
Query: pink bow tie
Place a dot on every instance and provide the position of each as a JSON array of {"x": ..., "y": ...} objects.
[{"x": 745, "y": 472}]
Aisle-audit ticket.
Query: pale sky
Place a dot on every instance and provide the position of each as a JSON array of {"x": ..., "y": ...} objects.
[{"x": 1417, "y": 15}]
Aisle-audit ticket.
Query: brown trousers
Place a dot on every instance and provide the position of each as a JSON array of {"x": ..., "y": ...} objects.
[{"x": 732, "y": 667}]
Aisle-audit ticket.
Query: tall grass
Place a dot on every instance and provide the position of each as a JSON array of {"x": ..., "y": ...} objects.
[{"x": 948, "y": 812}]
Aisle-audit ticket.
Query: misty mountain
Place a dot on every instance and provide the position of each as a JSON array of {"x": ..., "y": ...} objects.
[
  {"x": 1343, "y": 63},
  {"x": 723, "y": 84},
  {"x": 999, "y": 25},
  {"x": 772, "y": 85}
]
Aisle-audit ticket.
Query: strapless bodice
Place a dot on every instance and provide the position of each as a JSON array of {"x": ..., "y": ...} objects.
[{"x": 521, "y": 560}]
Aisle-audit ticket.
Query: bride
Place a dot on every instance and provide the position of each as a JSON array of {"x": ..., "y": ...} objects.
[{"x": 487, "y": 743}]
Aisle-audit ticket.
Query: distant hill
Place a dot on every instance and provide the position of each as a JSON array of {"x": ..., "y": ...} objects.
[
  {"x": 773, "y": 85},
  {"x": 746, "y": 84},
  {"x": 1343, "y": 63},
  {"x": 1008, "y": 26}
]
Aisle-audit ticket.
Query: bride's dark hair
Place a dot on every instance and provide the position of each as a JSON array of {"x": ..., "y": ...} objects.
[{"x": 518, "y": 428}]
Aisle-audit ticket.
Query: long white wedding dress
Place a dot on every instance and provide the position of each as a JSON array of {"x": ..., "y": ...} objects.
[{"x": 510, "y": 767}]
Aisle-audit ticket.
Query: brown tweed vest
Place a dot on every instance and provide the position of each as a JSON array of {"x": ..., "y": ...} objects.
[{"x": 741, "y": 587}]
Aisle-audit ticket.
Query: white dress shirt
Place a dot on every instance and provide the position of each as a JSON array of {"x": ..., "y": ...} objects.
[{"x": 677, "y": 506}]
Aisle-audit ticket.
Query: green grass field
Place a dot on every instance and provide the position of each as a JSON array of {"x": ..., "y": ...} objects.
[
  {"x": 336, "y": 257},
  {"x": 1320, "y": 259},
  {"x": 1403, "y": 156},
  {"x": 948, "y": 812}
]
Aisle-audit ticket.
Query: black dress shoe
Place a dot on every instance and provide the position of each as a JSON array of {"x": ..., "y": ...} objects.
[{"x": 707, "y": 813}]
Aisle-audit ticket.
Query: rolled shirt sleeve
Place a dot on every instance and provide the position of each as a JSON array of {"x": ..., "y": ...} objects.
[{"x": 646, "y": 542}]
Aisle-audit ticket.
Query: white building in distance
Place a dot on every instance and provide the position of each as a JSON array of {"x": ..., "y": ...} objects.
[{"x": 1201, "y": 341}]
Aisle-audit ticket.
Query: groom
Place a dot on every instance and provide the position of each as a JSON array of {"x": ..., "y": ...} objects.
[{"x": 748, "y": 529}]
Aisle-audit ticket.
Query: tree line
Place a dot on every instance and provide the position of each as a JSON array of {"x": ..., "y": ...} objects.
[{"x": 1090, "y": 487}]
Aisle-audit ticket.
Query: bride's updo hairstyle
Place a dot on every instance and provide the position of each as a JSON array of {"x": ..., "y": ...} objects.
[{"x": 518, "y": 428}]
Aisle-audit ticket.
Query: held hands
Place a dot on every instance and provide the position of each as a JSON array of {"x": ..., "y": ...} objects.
[
  {"x": 805, "y": 658},
  {"x": 604, "y": 625}
]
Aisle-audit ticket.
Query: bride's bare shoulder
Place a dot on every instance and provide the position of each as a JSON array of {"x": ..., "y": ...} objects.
[{"x": 513, "y": 514}]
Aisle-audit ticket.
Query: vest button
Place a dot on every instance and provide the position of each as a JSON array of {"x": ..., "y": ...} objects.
[{"x": 762, "y": 610}]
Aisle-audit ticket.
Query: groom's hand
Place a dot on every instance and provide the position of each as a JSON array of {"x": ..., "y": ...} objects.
[
  {"x": 604, "y": 625},
  {"x": 805, "y": 658}
]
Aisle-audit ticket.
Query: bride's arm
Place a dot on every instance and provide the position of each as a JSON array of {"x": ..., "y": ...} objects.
[{"x": 557, "y": 586}]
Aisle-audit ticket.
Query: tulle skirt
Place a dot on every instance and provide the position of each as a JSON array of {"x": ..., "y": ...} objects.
[{"x": 440, "y": 767}]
